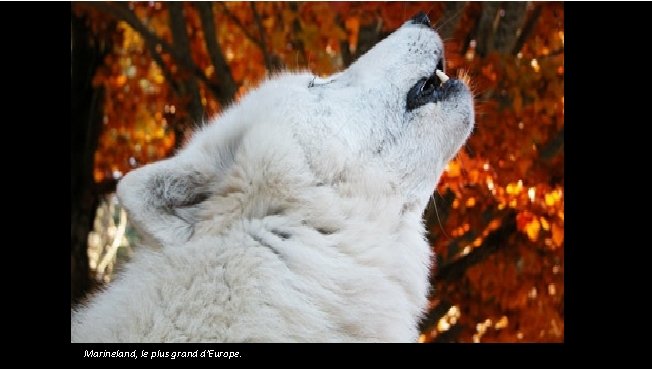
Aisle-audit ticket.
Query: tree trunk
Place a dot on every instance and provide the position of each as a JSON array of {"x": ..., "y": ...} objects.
[
  {"x": 527, "y": 29},
  {"x": 486, "y": 26},
  {"x": 272, "y": 63},
  {"x": 500, "y": 26},
  {"x": 297, "y": 43},
  {"x": 512, "y": 17},
  {"x": 228, "y": 86},
  {"x": 189, "y": 88},
  {"x": 88, "y": 53},
  {"x": 368, "y": 36}
]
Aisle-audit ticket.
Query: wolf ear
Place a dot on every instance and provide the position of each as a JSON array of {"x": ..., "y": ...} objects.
[
  {"x": 179, "y": 192},
  {"x": 164, "y": 199}
]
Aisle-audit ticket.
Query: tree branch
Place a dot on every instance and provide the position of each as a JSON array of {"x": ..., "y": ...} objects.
[
  {"x": 297, "y": 43},
  {"x": 122, "y": 12},
  {"x": 108, "y": 185},
  {"x": 511, "y": 21},
  {"x": 222, "y": 69},
  {"x": 527, "y": 29},
  {"x": 238, "y": 23},
  {"x": 180, "y": 37},
  {"x": 455, "y": 270},
  {"x": 449, "y": 336},
  {"x": 551, "y": 54},
  {"x": 345, "y": 52},
  {"x": 261, "y": 36},
  {"x": 368, "y": 36},
  {"x": 434, "y": 315},
  {"x": 552, "y": 147},
  {"x": 164, "y": 68},
  {"x": 492, "y": 243},
  {"x": 488, "y": 19},
  {"x": 472, "y": 33},
  {"x": 272, "y": 62}
]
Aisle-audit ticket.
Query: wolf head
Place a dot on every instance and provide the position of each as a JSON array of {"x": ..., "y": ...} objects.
[{"x": 386, "y": 126}]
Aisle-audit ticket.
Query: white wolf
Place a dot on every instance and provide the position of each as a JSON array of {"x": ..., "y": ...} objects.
[{"x": 295, "y": 216}]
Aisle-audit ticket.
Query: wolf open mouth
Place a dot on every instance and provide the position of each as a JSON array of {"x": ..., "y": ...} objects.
[{"x": 434, "y": 88}]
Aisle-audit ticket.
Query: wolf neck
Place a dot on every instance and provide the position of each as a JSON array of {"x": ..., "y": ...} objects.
[
  {"x": 350, "y": 200},
  {"x": 361, "y": 218}
]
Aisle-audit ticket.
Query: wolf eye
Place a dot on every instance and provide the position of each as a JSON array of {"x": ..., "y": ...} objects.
[{"x": 316, "y": 82}]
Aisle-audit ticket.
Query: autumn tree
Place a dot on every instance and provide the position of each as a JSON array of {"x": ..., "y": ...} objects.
[
  {"x": 498, "y": 225},
  {"x": 89, "y": 48},
  {"x": 496, "y": 222}
]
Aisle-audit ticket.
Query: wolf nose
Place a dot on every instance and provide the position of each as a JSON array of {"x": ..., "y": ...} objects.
[{"x": 421, "y": 18}]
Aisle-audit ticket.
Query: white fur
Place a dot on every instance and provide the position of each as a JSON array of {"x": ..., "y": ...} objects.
[{"x": 295, "y": 216}]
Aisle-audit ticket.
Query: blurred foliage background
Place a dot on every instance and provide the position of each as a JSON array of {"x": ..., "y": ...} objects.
[{"x": 144, "y": 74}]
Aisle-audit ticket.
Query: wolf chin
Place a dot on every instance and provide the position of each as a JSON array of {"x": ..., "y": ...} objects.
[{"x": 296, "y": 215}]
